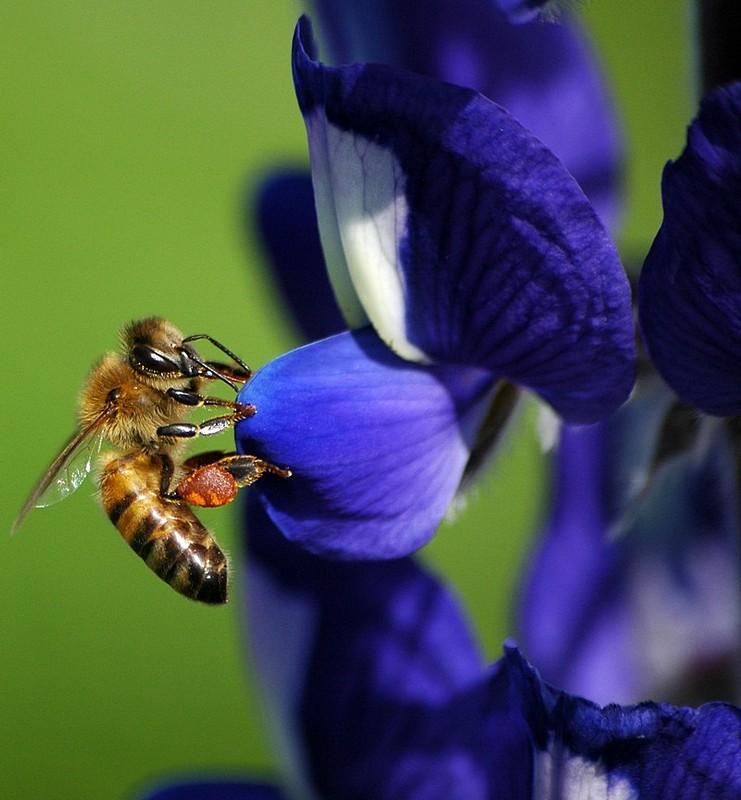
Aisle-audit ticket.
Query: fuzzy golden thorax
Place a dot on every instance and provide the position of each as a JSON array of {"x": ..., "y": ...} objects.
[{"x": 139, "y": 407}]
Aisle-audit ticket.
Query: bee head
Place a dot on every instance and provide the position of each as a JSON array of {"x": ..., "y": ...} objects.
[{"x": 158, "y": 351}]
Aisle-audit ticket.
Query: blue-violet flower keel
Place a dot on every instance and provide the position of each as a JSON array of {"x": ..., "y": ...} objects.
[
  {"x": 461, "y": 237},
  {"x": 690, "y": 286},
  {"x": 377, "y": 445}
]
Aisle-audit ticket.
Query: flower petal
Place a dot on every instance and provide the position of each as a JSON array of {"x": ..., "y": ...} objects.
[
  {"x": 286, "y": 223},
  {"x": 650, "y": 751},
  {"x": 546, "y": 76},
  {"x": 464, "y": 238},
  {"x": 655, "y": 609},
  {"x": 377, "y": 445},
  {"x": 690, "y": 286},
  {"x": 385, "y": 697},
  {"x": 574, "y": 618}
]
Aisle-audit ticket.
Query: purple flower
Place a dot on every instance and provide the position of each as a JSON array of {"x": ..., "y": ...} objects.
[
  {"x": 656, "y": 610},
  {"x": 634, "y": 590},
  {"x": 690, "y": 287},
  {"x": 377, "y": 690},
  {"x": 476, "y": 259}
]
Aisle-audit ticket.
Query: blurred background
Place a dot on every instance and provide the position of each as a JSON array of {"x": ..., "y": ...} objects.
[{"x": 132, "y": 133}]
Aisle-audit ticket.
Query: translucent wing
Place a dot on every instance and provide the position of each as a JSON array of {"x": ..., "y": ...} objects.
[
  {"x": 69, "y": 477},
  {"x": 69, "y": 469}
]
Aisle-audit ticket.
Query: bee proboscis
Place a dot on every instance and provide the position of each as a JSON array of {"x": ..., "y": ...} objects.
[{"x": 138, "y": 400}]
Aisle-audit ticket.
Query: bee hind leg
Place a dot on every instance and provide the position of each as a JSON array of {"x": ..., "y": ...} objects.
[
  {"x": 168, "y": 470},
  {"x": 216, "y": 483}
]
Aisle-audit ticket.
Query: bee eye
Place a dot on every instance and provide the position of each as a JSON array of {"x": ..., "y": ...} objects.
[{"x": 146, "y": 359}]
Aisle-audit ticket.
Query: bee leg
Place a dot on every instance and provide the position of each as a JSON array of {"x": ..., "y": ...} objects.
[
  {"x": 188, "y": 430},
  {"x": 190, "y": 398},
  {"x": 168, "y": 470},
  {"x": 216, "y": 483},
  {"x": 247, "y": 469},
  {"x": 202, "y": 460}
]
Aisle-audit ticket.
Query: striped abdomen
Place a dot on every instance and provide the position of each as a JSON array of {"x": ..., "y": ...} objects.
[{"x": 164, "y": 532}]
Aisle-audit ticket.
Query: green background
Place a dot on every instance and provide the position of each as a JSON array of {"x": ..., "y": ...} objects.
[{"x": 131, "y": 132}]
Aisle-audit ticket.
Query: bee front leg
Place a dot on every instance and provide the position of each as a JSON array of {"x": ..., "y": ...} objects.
[
  {"x": 216, "y": 483},
  {"x": 188, "y": 430}
]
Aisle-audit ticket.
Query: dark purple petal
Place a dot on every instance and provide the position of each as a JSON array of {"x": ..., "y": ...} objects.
[
  {"x": 216, "y": 790},
  {"x": 465, "y": 239},
  {"x": 377, "y": 445},
  {"x": 545, "y": 75},
  {"x": 690, "y": 287},
  {"x": 650, "y": 751},
  {"x": 574, "y": 618},
  {"x": 631, "y": 595},
  {"x": 376, "y": 679},
  {"x": 286, "y": 224}
]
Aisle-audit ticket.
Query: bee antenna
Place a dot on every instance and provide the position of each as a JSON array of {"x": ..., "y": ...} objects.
[
  {"x": 217, "y": 343},
  {"x": 207, "y": 372}
]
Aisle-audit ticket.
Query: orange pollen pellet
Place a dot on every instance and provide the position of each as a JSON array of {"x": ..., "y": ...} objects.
[{"x": 208, "y": 487}]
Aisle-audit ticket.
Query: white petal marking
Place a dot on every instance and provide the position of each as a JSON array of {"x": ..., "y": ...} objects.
[
  {"x": 359, "y": 188},
  {"x": 561, "y": 775}
]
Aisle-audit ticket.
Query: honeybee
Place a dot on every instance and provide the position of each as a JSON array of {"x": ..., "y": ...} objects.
[{"x": 138, "y": 400}]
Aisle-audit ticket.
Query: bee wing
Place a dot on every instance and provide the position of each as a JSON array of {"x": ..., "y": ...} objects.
[
  {"x": 68, "y": 477},
  {"x": 69, "y": 469}
]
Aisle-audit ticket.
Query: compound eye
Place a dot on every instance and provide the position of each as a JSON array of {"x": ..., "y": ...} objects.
[{"x": 146, "y": 359}]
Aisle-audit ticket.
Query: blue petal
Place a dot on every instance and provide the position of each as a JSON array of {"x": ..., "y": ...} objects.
[
  {"x": 384, "y": 698},
  {"x": 286, "y": 223},
  {"x": 216, "y": 790},
  {"x": 377, "y": 445},
  {"x": 465, "y": 240},
  {"x": 650, "y": 751},
  {"x": 545, "y": 75},
  {"x": 690, "y": 287}
]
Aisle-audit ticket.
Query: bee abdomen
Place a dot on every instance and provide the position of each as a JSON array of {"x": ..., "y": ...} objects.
[{"x": 165, "y": 533}]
